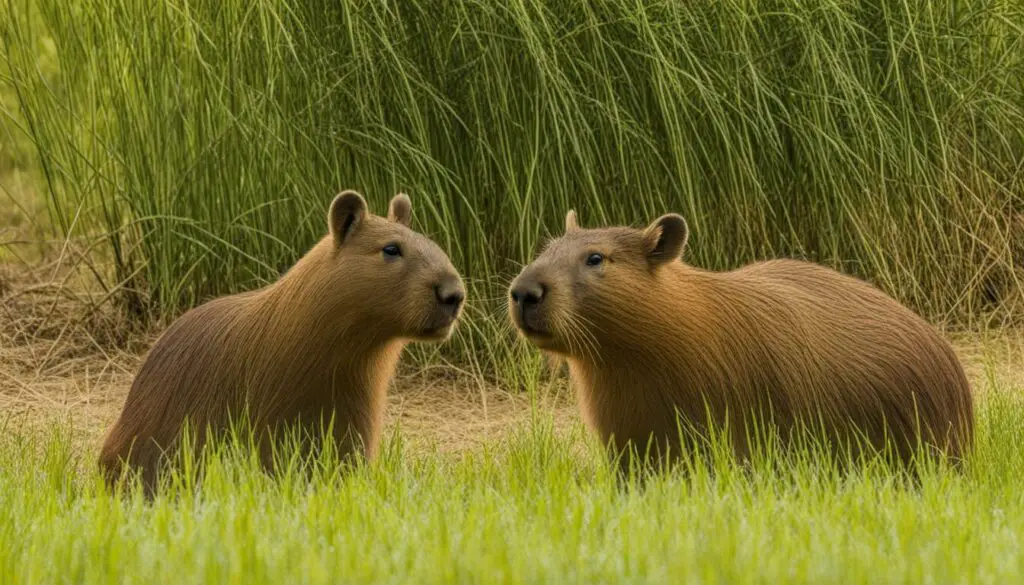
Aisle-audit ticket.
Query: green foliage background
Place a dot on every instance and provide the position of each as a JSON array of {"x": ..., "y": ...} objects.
[{"x": 203, "y": 140}]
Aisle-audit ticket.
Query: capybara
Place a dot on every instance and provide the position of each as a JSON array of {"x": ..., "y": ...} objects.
[
  {"x": 786, "y": 344},
  {"x": 317, "y": 347}
]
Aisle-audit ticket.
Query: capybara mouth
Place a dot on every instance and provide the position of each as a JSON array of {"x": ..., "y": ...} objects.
[
  {"x": 436, "y": 333},
  {"x": 532, "y": 331},
  {"x": 543, "y": 339},
  {"x": 438, "y": 328},
  {"x": 537, "y": 335}
]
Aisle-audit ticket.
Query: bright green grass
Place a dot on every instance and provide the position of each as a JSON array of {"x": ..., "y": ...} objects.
[
  {"x": 522, "y": 511},
  {"x": 198, "y": 143}
]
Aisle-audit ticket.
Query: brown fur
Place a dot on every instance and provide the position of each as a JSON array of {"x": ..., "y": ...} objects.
[
  {"x": 320, "y": 343},
  {"x": 791, "y": 342}
]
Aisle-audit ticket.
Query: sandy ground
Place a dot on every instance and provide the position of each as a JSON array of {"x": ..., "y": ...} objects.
[
  {"x": 55, "y": 364},
  {"x": 38, "y": 385}
]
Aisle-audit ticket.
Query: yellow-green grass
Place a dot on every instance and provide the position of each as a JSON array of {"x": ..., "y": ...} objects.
[{"x": 540, "y": 507}]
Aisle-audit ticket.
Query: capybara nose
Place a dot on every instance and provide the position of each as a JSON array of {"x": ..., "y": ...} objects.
[
  {"x": 450, "y": 293},
  {"x": 527, "y": 294}
]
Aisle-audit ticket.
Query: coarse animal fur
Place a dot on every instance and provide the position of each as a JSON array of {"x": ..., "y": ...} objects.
[
  {"x": 790, "y": 343},
  {"x": 317, "y": 347}
]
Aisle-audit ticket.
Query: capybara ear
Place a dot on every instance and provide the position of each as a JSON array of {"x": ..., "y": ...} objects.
[
  {"x": 347, "y": 211},
  {"x": 665, "y": 239},
  {"x": 401, "y": 210},
  {"x": 570, "y": 221}
]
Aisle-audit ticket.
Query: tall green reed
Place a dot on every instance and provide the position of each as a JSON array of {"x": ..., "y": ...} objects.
[{"x": 203, "y": 141}]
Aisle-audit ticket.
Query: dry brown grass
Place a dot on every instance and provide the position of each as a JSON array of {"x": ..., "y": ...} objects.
[{"x": 66, "y": 358}]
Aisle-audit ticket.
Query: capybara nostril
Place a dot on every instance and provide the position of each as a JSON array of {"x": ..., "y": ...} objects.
[
  {"x": 528, "y": 294},
  {"x": 450, "y": 293},
  {"x": 454, "y": 300},
  {"x": 451, "y": 299}
]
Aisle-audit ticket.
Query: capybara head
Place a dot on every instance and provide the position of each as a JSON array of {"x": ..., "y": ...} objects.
[
  {"x": 405, "y": 284},
  {"x": 588, "y": 278}
]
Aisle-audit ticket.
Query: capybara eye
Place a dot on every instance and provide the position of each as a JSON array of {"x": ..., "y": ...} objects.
[
  {"x": 392, "y": 251},
  {"x": 594, "y": 259}
]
